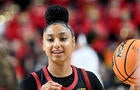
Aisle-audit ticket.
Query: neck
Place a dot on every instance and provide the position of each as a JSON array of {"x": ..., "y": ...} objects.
[{"x": 59, "y": 70}]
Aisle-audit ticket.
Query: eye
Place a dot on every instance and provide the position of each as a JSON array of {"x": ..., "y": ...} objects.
[
  {"x": 63, "y": 39},
  {"x": 50, "y": 40}
]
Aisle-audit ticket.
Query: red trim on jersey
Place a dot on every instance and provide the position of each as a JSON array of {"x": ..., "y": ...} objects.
[
  {"x": 64, "y": 88},
  {"x": 47, "y": 76},
  {"x": 37, "y": 80},
  {"x": 86, "y": 79}
]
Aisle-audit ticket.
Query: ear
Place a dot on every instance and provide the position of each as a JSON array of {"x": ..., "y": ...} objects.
[
  {"x": 43, "y": 45},
  {"x": 73, "y": 40}
]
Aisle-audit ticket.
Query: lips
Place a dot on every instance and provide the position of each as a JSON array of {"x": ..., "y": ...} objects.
[{"x": 57, "y": 52}]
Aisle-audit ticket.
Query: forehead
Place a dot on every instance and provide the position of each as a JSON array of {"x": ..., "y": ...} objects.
[{"x": 57, "y": 28}]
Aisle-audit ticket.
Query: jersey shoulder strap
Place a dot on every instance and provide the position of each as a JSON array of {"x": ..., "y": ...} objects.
[
  {"x": 86, "y": 79},
  {"x": 37, "y": 80},
  {"x": 83, "y": 72}
]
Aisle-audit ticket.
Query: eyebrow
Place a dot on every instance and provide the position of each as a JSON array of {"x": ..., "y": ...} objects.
[{"x": 61, "y": 33}]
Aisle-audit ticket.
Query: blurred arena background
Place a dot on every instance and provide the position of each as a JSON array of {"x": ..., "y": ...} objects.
[{"x": 112, "y": 21}]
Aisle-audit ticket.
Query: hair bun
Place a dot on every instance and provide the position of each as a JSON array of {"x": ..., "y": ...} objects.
[{"x": 56, "y": 13}]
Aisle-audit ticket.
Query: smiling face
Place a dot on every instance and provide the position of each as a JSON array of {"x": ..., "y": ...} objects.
[{"x": 58, "y": 42}]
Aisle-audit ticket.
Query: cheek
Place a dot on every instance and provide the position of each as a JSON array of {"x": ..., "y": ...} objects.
[
  {"x": 69, "y": 46},
  {"x": 47, "y": 48}
]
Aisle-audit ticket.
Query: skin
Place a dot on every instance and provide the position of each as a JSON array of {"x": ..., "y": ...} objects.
[
  {"x": 134, "y": 87},
  {"x": 58, "y": 44}
]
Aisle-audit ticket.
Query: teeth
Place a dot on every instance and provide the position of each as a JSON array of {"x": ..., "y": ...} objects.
[{"x": 57, "y": 52}]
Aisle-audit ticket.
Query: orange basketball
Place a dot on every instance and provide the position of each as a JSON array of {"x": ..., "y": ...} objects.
[{"x": 126, "y": 62}]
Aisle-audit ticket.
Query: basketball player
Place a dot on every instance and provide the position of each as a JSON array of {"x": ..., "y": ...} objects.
[{"x": 58, "y": 44}]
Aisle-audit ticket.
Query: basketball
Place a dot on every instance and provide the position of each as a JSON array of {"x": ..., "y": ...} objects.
[{"x": 126, "y": 62}]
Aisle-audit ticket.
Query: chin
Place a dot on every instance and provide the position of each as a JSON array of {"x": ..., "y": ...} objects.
[{"x": 58, "y": 60}]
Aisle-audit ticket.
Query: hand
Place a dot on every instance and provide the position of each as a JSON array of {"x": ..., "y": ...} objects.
[
  {"x": 134, "y": 88},
  {"x": 51, "y": 85}
]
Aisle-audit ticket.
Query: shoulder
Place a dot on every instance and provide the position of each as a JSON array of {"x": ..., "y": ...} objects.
[
  {"x": 90, "y": 74},
  {"x": 94, "y": 81}
]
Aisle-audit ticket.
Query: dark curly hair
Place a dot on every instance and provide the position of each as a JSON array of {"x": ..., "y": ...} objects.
[{"x": 57, "y": 14}]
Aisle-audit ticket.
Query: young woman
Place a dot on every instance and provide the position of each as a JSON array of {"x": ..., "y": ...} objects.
[{"x": 58, "y": 44}]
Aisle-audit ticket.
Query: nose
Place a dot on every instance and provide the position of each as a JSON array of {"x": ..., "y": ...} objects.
[{"x": 56, "y": 43}]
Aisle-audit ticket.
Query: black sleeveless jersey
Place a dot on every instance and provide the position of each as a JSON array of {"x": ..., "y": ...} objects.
[{"x": 76, "y": 81}]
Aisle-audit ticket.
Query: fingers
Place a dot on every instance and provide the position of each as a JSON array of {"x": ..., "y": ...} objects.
[{"x": 51, "y": 85}]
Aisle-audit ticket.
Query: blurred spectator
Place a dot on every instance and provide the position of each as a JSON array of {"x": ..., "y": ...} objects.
[
  {"x": 85, "y": 56},
  {"x": 60, "y": 2},
  {"x": 20, "y": 27},
  {"x": 8, "y": 80},
  {"x": 136, "y": 12},
  {"x": 37, "y": 11},
  {"x": 98, "y": 26},
  {"x": 127, "y": 27}
]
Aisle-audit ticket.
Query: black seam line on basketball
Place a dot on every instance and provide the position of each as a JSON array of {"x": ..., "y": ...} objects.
[
  {"x": 127, "y": 81},
  {"x": 123, "y": 77},
  {"x": 119, "y": 70},
  {"x": 132, "y": 74},
  {"x": 117, "y": 67},
  {"x": 126, "y": 57}
]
